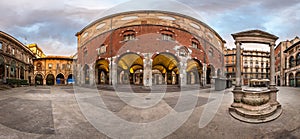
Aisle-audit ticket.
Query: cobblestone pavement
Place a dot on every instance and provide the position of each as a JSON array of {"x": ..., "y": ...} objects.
[{"x": 53, "y": 112}]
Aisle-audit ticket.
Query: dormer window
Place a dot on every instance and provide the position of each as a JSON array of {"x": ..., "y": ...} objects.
[{"x": 129, "y": 35}]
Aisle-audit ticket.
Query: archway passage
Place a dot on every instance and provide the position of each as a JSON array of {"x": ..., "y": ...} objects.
[
  {"x": 60, "y": 79},
  {"x": 209, "y": 73},
  {"x": 291, "y": 79},
  {"x": 278, "y": 80},
  {"x": 102, "y": 69},
  {"x": 298, "y": 79},
  {"x": 194, "y": 72},
  {"x": 38, "y": 79},
  {"x": 70, "y": 79},
  {"x": 166, "y": 64},
  {"x": 2, "y": 69},
  {"x": 86, "y": 73},
  {"x": 50, "y": 79},
  {"x": 128, "y": 65}
]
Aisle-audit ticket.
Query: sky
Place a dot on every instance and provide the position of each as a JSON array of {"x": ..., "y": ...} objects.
[{"x": 52, "y": 24}]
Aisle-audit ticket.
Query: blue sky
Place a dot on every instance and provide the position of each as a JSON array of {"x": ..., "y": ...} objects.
[{"x": 53, "y": 24}]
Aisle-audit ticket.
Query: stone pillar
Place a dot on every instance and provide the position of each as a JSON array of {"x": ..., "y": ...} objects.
[
  {"x": 147, "y": 72},
  {"x": 113, "y": 77},
  {"x": 204, "y": 75},
  {"x": 238, "y": 66},
  {"x": 272, "y": 86},
  {"x": 272, "y": 65},
  {"x": 182, "y": 71},
  {"x": 92, "y": 75}
]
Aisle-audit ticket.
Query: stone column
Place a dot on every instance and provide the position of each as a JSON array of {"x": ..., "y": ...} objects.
[
  {"x": 272, "y": 87},
  {"x": 113, "y": 71},
  {"x": 238, "y": 66},
  {"x": 204, "y": 75},
  {"x": 147, "y": 80},
  {"x": 272, "y": 65},
  {"x": 183, "y": 74}
]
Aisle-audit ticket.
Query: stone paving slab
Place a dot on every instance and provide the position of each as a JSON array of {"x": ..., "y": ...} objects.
[{"x": 29, "y": 113}]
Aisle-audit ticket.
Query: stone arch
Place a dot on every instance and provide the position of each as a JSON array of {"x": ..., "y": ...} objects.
[
  {"x": 2, "y": 68},
  {"x": 86, "y": 74},
  {"x": 128, "y": 63},
  {"x": 38, "y": 79},
  {"x": 60, "y": 79},
  {"x": 167, "y": 64},
  {"x": 297, "y": 79},
  {"x": 278, "y": 80},
  {"x": 194, "y": 72},
  {"x": 102, "y": 71},
  {"x": 291, "y": 79},
  {"x": 291, "y": 61},
  {"x": 13, "y": 69},
  {"x": 71, "y": 79},
  {"x": 298, "y": 59},
  {"x": 210, "y": 72},
  {"x": 50, "y": 79}
]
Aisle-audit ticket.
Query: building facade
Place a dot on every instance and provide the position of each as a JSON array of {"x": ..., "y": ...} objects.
[
  {"x": 16, "y": 60},
  {"x": 37, "y": 51},
  {"x": 53, "y": 70},
  {"x": 149, "y": 48},
  {"x": 254, "y": 65},
  {"x": 292, "y": 68}
]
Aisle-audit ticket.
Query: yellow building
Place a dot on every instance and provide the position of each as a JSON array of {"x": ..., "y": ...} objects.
[
  {"x": 37, "y": 51},
  {"x": 53, "y": 70}
]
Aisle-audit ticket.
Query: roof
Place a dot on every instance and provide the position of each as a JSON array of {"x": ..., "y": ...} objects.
[
  {"x": 149, "y": 11},
  {"x": 17, "y": 42},
  {"x": 254, "y": 33},
  {"x": 291, "y": 47}
]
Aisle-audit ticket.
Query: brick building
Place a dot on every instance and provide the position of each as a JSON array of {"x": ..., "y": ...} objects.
[{"x": 147, "y": 48}]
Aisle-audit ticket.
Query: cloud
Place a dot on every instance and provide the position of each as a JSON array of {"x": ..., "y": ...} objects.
[{"x": 53, "y": 24}]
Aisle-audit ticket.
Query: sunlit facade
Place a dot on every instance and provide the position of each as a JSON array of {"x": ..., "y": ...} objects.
[
  {"x": 16, "y": 63},
  {"x": 149, "y": 48}
]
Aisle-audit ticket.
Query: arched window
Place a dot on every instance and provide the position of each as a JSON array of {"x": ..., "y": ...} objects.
[
  {"x": 39, "y": 66},
  {"x": 129, "y": 35},
  {"x": 298, "y": 59},
  {"x": 195, "y": 43},
  {"x": 291, "y": 62},
  {"x": 167, "y": 35}
]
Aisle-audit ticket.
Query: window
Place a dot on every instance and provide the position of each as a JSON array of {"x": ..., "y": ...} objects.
[
  {"x": 129, "y": 35},
  {"x": 63, "y": 66},
  {"x": 291, "y": 62},
  {"x": 0, "y": 45},
  {"x": 13, "y": 51},
  {"x": 298, "y": 59},
  {"x": 85, "y": 53},
  {"x": 211, "y": 52},
  {"x": 50, "y": 66},
  {"x": 57, "y": 66},
  {"x": 101, "y": 50},
  {"x": 167, "y": 37},
  {"x": 39, "y": 66},
  {"x": 194, "y": 44},
  {"x": 68, "y": 66}
]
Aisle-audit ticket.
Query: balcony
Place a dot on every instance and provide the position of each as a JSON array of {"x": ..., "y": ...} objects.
[
  {"x": 246, "y": 66},
  {"x": 230, "y": 64}
]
